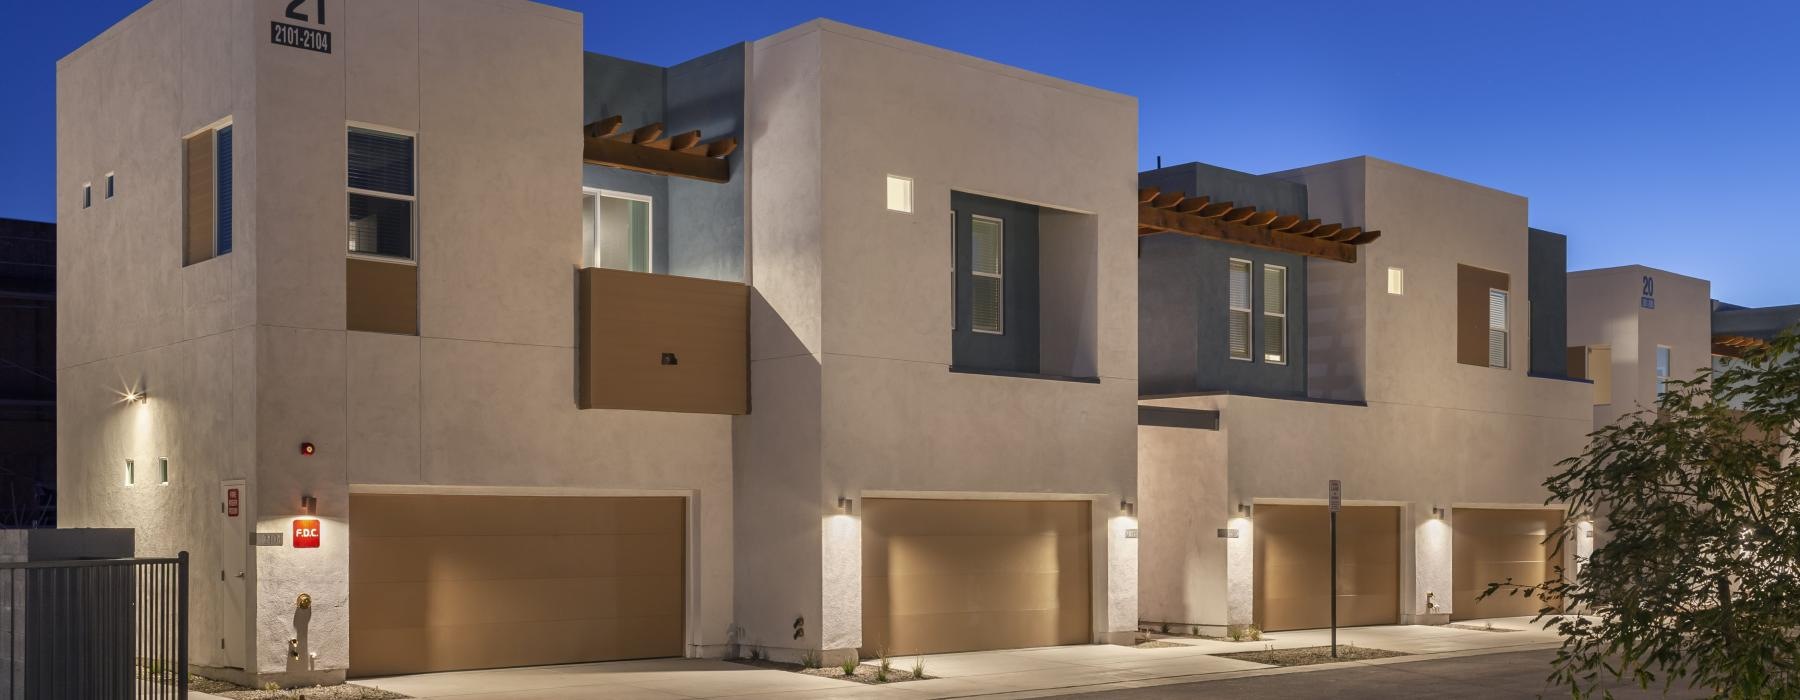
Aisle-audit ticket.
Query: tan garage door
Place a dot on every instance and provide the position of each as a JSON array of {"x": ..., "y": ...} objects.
[
  {"x": 1293, "y": 566},
  {"x": 1492, "y": 545},
  {"x": 943, "y": 576},
  {"x": 440, "y": 583}
]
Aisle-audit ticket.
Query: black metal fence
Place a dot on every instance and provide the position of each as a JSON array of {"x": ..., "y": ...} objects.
[{"x": 100, "y": 628}]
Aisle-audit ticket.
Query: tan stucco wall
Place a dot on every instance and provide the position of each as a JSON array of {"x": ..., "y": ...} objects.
[
  {"x": 1433, "y": 432},
  {"x": 484, "y": 397},
  {"x": 1605, "y": 308},
  {"x": 851, "y": 326}
]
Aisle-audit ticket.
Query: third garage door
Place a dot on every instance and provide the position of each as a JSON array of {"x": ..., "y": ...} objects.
[
  {"x": 440, "y": 582},
  {"x": 1293, "y": 566},
  {"x": 1495, "y": 544},
  {"x": 944, "y": 575}
]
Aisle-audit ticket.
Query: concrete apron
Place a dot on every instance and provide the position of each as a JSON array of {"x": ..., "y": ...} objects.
[{"x": 1010, "y": 673}]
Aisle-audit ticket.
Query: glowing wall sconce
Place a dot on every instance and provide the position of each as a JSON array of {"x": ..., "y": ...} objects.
[
  {"x": 1128, "y": 507},
  {"x": 309, "y": 505},
  {"x": 1437, "y": 512},
  {"x": 844, "y": 504},
  {"x": 1243, "y": 510}
]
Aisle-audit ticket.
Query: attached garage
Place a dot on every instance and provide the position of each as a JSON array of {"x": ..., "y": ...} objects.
[
  {"x": 953, "y": 575},
  {"x": 441, "y": 583},
  {"x": 1492, "y": 545},
  {"x": 1293, "y": 566}
]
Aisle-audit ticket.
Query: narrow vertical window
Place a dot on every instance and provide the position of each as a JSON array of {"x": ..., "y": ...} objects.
[
  {"x": 1662, "y": 370},
  {"x": 1237, "y": 334},
  {"x": 900, "y": 194},
  {"x": 222, "y": 190},
  {"x": 87, "y": 194},
  {"x": 1496, "y": 328},
  {"x": 109, "y": 185},
  {"x": 1396, "y": 281},
  {"x": 381, "y": 197},
  {"x": 1274, "y": 316},
  {"x": 987, "y": 296},
  {"x": 162, "y": 464},
  {"x": 953, "y": 282},
  {"x": 616, "y": 230},
  {"x": 130, "y": 472}
]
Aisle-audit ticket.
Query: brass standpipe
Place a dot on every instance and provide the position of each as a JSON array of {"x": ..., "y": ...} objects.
[{"x": 304, "y": 601}]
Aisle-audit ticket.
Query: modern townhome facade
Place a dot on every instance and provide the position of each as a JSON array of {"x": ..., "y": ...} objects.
[
  {"x": 1283, "y": 344},
  {"x": 441, "y": 343}
]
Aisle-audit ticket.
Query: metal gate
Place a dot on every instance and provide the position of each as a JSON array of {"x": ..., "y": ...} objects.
[{"x": 99, "y": 628}]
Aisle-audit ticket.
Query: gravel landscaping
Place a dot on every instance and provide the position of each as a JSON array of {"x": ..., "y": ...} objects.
[
  {"x": 347, "y": 691},
  {"x": 1307, "y": 656},
  {"x": 865, "y": 673},
  {"x": 1482, "y": 628},
  {"x": 1156, "y": 644}
]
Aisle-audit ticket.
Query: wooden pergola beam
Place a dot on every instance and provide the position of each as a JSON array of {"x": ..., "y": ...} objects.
[
  {"x": 1167, "y": 221},
  {"x": 644, "y": 149}
]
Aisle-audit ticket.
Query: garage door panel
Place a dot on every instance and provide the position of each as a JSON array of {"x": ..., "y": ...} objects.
[
  {"x": 560, "y": 588},
  {"x": 943, "y": 576},
  {"x": 1491, "y": 545},
  {"x": 1293, "y": 566}
]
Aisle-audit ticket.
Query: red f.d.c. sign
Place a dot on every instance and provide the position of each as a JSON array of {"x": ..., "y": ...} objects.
[{"x": 306, "y": 534}]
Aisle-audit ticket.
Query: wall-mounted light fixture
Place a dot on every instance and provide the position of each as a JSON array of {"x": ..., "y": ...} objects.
[
  {"x": 1243, "y": 510},
  {"x": 1128, "y": 506},
  {"x": 669, "y": 359},
  {"x": 844, "y": 504},
  {"x": 134, "y": 395},
  {"x": 1437, "y": 512},
  {"x": 309, "y": 505}
]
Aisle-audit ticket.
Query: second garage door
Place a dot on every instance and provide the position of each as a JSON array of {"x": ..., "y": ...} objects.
[
  {"x": 440, "y": 583},
  {"x": 1495, "y": 544},
  {"x": 1293, "y": 566},
  {"x": 944, "y": 576}
]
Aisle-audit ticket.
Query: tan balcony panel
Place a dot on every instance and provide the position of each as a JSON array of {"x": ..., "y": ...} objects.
[{"x": 663, "y": 343}]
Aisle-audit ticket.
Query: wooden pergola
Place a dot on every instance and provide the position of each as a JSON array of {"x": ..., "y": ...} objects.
[
  {"x": 1176, "y": 212},
  {"x": 1735, "y": 345},
  {"x": 646, "y": 150}
]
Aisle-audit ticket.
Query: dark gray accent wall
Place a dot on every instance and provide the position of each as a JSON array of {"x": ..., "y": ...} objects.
[
  {"x": 1184, "y": 291},
  {"x": 1016, "y": 349},
  {"x": 1764, "y": 322},
  {"x": 1548, "y": 290},
  {"x": 1165, "y": 417},
  {"x": 697, "y": 227}
]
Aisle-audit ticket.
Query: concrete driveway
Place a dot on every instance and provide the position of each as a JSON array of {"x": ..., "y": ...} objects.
[{"x": 1017, "y": 673}]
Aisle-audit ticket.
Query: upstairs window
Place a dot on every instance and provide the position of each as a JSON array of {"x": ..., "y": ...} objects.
[
  {"x": 87, "y": 195},
  {"x": 381, "y": 196},
  {"x": 1662, "y": 370},
  {"x": 1274, "y": 316},
  {"x": 109, "y": 185},
  {"x": 1496, "y": 354},
  {"x": 1238, "y": 310},
  {"x": 207, "y": 193},
  {"x": 616, "y": 230},
  {"x": 987, "y": 292}
]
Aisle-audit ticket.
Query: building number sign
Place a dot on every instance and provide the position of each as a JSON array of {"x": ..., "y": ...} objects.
[
  {"x": 298, "y": 36},
  {"x": 1649, "y": 299}
]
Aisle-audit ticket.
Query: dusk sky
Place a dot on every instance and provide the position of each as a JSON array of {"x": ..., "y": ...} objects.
[{"x": 1649, "y": 132}]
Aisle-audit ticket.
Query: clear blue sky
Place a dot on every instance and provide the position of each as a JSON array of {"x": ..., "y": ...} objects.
[{"x": 1651, "y": 132}]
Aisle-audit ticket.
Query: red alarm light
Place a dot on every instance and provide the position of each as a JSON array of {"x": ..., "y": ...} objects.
[{"x": 306, "y": 449}]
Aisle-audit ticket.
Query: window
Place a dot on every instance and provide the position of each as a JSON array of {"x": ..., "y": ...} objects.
[
  {"x": 987, "y": 295},
  {"x": 1496, "y": 353},
  {"x": 87, "y": 195},
  {"x": 381, "y": 197},
  {"x": 1396, "y": 281},
  {"x": 130, "y": 472},
  {"x": 952, "y": 269},
  {"x": 163, "y": 465},
  {"x": 899, "y": 194},
  {"x": 1662, "y": 370},
  {"x": 207, "y": 186},
  {"x": 616, "y": 229},
  {"x": 1238, "y": 309},
  {"x": 109, "y": 185},
  {"x": 1274, "y": 316}
]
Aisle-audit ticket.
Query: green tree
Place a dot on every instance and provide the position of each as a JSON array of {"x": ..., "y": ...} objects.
[{"x": 1696, "y": 581}]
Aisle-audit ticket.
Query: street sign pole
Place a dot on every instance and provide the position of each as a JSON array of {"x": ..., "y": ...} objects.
[{"x": 1336, "y": 499}]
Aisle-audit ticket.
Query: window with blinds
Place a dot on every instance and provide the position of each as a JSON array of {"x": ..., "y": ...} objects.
[
  {"x": 1274, "y": 315},
  {"x": 222, "y": 190},
  {"x": 987, "y": 296},
  {"x": 1496, "y": 350},
  {"x": 1238, "y": 310},
  {"x": 381, "y": 196}
]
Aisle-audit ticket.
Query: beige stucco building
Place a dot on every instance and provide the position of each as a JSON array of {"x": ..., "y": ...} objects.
[
  {"x": 1633, "y": 327},
  {"x": 616, "y": 360},
  {"x": 1432, "y": 387}
]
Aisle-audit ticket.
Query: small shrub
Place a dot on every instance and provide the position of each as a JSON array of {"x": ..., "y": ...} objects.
[
  {"x": 1254, "y": 632},
  {"x": 809, "y": 659},
  {"x": 1165, "y": 628},
  {"x": 886, "y": 667},
  {"x": 918, "y": 669},
  {"x": 848, "y": 666},
  {"x": 1237, "y": 633}
]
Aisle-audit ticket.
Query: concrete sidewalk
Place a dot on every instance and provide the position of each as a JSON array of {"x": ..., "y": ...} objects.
[{"x": 1011, "y": 673}]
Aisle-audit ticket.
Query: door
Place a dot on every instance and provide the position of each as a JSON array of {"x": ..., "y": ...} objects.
[
  {"x": 1492, "y": 545},
  {"x": 959, "y": 575},
  {"x": 234, "y": 555},
  {"x": 441, "y": 583},
  {"x": 1293, "y": 566}
]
